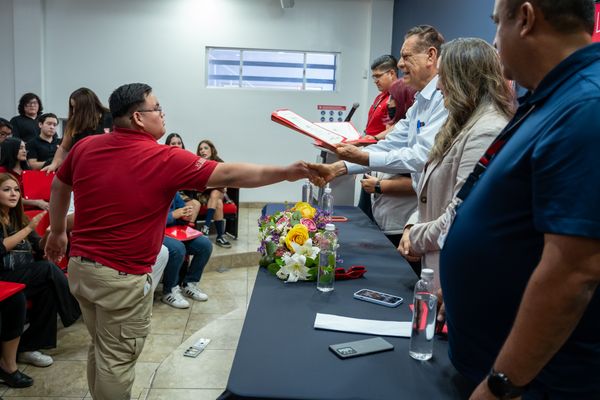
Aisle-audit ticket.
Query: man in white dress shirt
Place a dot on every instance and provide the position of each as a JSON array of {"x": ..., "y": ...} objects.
[{"x": 406, "y": 148}]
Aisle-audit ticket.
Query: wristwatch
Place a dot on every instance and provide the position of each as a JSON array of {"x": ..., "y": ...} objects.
[
  {"x": 502, "y": 387},
  {"x": 378, "y": 187}
]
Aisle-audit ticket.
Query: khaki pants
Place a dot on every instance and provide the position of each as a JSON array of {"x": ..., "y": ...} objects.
[{"x": 116, "y": 309}]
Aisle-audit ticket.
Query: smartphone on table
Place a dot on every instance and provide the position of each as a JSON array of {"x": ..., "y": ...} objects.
[{"x": 374, "y": 296}]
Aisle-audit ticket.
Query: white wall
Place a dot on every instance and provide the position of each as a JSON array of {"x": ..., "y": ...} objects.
[{"x": 103, "y": 44}]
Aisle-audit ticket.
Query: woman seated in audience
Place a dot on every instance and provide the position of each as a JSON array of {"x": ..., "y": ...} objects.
[
  {"x": 87, "y": 116},
  {"x": 213, "y": 197},
  {"x": 188, "y": 196},
  {"x": 199, "y": 248},
  {"x": 25, "y": 125},
  {"x": 46, "y": 285},
  {"x": 12, "y": 320},
  {"x": 13, "y": 160},
  {"x": 480, "y": 102}
]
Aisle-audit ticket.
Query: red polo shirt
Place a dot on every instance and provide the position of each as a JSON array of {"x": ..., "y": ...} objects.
[
  {"x": 123, "y": 184},
  {"x": 378, "y": 113}
]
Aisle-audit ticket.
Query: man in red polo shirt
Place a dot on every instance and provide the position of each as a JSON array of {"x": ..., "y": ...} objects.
[{"x": 123, "y": 184}]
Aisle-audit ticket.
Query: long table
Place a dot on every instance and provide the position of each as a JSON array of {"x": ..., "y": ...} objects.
[{"x": 281, "y": 356}]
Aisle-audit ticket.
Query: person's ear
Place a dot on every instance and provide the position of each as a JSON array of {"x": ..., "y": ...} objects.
[
  {"x": 432, "y": 57},
  {"x": 526, "y": 18}
]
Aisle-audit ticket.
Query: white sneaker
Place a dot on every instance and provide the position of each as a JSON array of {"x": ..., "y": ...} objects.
[
  {"x": 36, "y": 358},
  {"x": 206, "y": 230},
  {"x": 175, "y": 299},
  {"x": 191, "y": 290}
]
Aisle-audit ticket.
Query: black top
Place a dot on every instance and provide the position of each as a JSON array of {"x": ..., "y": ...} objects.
[
  {"x": 24, "y": 128},
  {"x": 42, "y": 150},
  {"x": 106, "y": 122}
]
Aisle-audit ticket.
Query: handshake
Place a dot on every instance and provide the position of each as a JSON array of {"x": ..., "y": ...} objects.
[{"x": 318, "y": 174}]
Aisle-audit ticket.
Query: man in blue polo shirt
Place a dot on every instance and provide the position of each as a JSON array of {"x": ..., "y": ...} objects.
[{"x": 521, "y": 264}]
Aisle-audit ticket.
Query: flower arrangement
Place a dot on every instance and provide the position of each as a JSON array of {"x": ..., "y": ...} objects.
[{"x": 289, "y": 242}]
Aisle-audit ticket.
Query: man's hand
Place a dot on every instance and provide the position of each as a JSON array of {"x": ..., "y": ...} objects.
[
  {"x": 327, "y": 172},
  {"x": 348, "y": 152},
  {"x": 482, "y": 392},
  {"x": 299, "y": 170},
  {"x": 405, "y": 247},
  {"x": 56, "y": 246},
  {"x": 368, "y": 183}
]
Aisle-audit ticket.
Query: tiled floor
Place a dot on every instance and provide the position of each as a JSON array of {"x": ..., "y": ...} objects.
[{"x": 162, "y": 372}]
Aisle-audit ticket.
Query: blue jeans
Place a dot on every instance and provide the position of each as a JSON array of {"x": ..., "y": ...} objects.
[{"x": 200, "y": 248}]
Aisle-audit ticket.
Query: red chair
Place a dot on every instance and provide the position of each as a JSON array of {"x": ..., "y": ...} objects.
[{"x": 37, "y": 184}]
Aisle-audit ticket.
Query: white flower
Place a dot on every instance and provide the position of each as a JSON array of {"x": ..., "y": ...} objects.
[
  {"x": 295, "y": 268},
  {"x": 307, "y": 249}
]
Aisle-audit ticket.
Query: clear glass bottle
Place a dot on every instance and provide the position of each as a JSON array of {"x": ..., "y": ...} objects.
[
  {"x": 424, "y": 316},
  {"x": 327, "y": 256},
  {"x": 307, "y": 192}
]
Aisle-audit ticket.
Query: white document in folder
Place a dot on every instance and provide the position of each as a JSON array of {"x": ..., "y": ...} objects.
[{"x": 313, "y": 130}]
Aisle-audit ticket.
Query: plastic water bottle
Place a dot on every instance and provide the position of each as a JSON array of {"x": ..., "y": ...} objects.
[
  {"x": 326, "y": 271},
  {"x": 424, "y": 314},
  {"x": 327, "y": 202},
  {"x": 307, "y": 192}
]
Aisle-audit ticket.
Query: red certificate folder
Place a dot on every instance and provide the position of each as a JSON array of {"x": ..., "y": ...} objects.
[
  {"x": 325, "y": 134},
  {"x": 182, "y": 232}
]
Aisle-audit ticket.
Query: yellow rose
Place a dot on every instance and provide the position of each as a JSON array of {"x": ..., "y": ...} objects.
[
  {"x": 305, "y": 209},
  {"x": 298, "y": 234}
]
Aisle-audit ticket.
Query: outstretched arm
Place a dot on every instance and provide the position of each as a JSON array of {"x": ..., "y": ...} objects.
[{"x": 254, "y": 175}]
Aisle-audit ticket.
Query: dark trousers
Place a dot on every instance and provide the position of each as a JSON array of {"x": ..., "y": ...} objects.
[
  {"x": 12, "y": 316},
  {"x": 48, "y": 290},
  {"x": 364, "y": 203}
]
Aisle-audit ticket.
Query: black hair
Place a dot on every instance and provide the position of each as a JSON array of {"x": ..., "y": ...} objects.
[
  {"x": 566, "y": 16},
  {"x": 26, "y": 98},
  {"x": 9, "y": 149},
  {"x": 126, "y": 97},
  {"x": 386, "y": 62},
  {"x": 42, "y": 118},
  {"x": 171, "y": 136},
  {"x": 428, "y": 37},
  {"x": 4, "y": 122}
]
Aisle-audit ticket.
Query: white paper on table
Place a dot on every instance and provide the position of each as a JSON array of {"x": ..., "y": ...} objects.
[
  {"x": 370, "y": 326},
  {"x": 313, "y": 130}
]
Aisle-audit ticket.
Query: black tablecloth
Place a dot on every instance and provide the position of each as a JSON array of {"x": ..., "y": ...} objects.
[{"x": 281, "y": 356}]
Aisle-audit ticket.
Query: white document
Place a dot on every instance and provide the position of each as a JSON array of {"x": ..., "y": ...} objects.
[
  {"x": 356, "y": 325},
  {"x": 345, "y": 129},
  {"x": 308, "y": 127}
]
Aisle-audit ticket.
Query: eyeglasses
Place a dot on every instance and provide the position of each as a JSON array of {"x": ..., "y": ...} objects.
[
  {"x": 354, "y": 272},
  {"x": 5, "y": 134},
  {"x": 157, "y": 109},
  {"x": 376, "y": 77},
  {"x": 32, "y": 104}
]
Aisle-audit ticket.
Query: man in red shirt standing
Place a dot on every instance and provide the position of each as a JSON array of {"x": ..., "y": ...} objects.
[
  {"x": 384, "y": 71},
  {"x": 123, "y": 184}
]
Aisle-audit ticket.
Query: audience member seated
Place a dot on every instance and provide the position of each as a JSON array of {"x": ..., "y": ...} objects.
[
  {"x": 5, "y": 129},
  {"x": 199, "y": 248},
  {"x": 401, "y": 99},
  {"x": 480, "y": 102},
  {"x": 213, "y": 197},
  {"x": 41, "y": 149},
  {"x": 25, "y": 125},
  {"x": 46, "y": 284},
  {"x": 12, "y": 320},
  {"x": 13, "y": 160},
  {"x": 174, "y": 139},
  {"x": 87, "y": 116}
]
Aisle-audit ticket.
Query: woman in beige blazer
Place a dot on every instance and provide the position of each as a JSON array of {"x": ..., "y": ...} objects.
[{"x": 480, "y": 102}]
